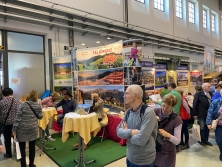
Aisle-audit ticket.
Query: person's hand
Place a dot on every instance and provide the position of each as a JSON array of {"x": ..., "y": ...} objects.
[
  {"x": 134, "y": 132},
  {"x": 13, "y": 134},
  {"x": 195, "y": 117},
  {"x": 158, "y": 119},
  {"x": 209, "y": 127},
  {"x": 164, "y": 133},
  {"x": 124, "y": 125},
  {"x": 1, "y": 148}
]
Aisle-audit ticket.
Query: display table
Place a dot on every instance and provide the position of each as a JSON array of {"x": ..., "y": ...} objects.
[
  {"x": 113, "y": 122},
  {"x": 47, "y": 113},
  {"x": 84, "y": 125}
]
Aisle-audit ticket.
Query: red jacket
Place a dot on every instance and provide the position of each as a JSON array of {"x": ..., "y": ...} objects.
[{"x": 183, "y": 113}]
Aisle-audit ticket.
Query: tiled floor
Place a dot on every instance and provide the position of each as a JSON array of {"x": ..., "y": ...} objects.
[{"x": 196, "y": 156}]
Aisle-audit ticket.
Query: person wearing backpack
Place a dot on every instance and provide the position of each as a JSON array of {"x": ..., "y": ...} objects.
[
  {"x": 170, "y": 125},
  {"x": 140, "y": 129}
]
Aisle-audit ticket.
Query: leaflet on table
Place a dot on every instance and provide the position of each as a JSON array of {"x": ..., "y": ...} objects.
[{"x": 155, "y": 97}]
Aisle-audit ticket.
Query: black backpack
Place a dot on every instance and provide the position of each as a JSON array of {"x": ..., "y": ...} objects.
[{"x": 159, "y": 137}]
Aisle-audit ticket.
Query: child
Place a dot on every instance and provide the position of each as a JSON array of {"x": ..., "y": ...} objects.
[{"x": 134, "y": 51}]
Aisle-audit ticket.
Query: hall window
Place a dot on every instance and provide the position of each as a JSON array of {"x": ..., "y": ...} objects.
[
  {"x": 204, "y": 19},
  {"x": 213, "y": 22},
  {"x": 159, "y": 4},
  {"x": 179, "y": 11},
  {"x": 142, "y": 1},
  {"x": 191, "y": 12}
]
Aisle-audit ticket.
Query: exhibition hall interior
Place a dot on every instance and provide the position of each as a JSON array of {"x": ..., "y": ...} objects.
[{"x": 69, "y": 67}]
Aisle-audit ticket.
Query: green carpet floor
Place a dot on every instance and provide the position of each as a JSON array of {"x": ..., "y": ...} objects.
[{"x": 104, "y": 153}]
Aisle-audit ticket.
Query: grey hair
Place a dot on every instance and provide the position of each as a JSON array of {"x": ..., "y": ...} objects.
[
  {"x": 204, "y": 84},
  {"x": 137, "y": 90}
]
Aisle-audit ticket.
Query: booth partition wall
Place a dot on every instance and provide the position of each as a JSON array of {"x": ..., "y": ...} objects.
[{"x": 24, "y": 54}]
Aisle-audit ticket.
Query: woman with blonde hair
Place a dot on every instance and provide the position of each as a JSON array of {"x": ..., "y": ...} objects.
[
  {"x": 49, "y": 102},
  {"x": 25, "y": 127},
  {"x": 170, "y": 127}
]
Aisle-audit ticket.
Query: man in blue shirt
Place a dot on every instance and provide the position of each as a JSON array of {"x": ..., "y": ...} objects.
[{"x": 68, "y": 105}]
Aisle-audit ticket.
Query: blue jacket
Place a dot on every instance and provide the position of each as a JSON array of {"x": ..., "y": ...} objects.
[
  {"x": 216, "y": 96},
  {"x": 212, "y": 113}
]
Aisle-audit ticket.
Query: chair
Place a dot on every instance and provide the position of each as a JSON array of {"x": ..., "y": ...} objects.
[{"x": 103, "y": 123}]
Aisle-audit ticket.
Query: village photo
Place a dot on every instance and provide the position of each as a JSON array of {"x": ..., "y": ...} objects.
[
  {"x": 195, "y": 78},
  {"x": 112, "y": 76},
  {"x": 160, "y": 79},
  {"x": 182, "y": 78},
  {"x": 111, "y": 95},
  {"x": 62, "y": 71},
  {"x": 148, "y": 79}
]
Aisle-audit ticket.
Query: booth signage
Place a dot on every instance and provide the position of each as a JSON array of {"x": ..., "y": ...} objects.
[
  {"x": 159, "y": 66},
  {"x": 182, "y": 68},
  {"x": 147, "y": 64}
]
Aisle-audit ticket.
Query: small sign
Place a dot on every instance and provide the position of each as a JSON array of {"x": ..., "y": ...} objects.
[
  {"x": 182, "y": 68},
  {"x": 15, "y": 80},
  {"x": 159, "y": 66},
  {"x": 147, "y": 64}
]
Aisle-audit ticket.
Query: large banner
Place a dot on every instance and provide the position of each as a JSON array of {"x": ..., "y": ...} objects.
[
  {"x": 100, "y": 70},
  {"x": 182, "y": 78},
  {"x": 209, "y": 60},
  {"x": 160, "y": 79}
]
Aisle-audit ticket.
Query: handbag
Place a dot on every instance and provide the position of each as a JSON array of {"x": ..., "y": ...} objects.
[
  {"x": 2, "y": 125},
  {"x": 215, "y": 122},
  {"x": 196, "y": 131},
  {"x": 17, "y": 151},
  {"x": 32, "y": 110}
]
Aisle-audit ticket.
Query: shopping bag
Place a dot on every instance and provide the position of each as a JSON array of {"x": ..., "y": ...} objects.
[
  {"x": 196, "y": 131},
  {"x": 17, "y": 152}
]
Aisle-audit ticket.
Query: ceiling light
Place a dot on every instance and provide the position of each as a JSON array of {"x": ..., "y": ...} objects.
[
  {"x": 109, "y": 38},
  {"x": 83, "y": 44},
  {"x": 97, "y": 41}
]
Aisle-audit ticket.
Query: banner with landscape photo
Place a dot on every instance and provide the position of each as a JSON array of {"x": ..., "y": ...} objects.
[
  {"x": 160, "y": 79},
  {"x": 148, "y": 79},
  {"x": 195, "y": 78}
]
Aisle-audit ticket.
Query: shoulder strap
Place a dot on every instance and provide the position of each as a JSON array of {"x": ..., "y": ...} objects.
[
  {"x": 8, "y": 111},
  {"x": 142, "y": 111},
  {"x": 127, "y": 115},
  {"x": 32, "y": 109}
]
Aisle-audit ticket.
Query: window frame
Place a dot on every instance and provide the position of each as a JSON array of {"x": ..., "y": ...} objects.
[
  {"x": 191, "y": 12},
  {"x": 204, "y": 18},
  {"x": 179, "y": 7},
  {"x": 213, "y": 22},
  {"x": 141, "y": 1},
  {"x": 158, "y": 3}
]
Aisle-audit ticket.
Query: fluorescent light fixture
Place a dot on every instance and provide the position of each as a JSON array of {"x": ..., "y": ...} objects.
[
  {"x": 83, "y": 44},
  {"x": 98, "y": 42},
  {"x": 108, "y": 38}
]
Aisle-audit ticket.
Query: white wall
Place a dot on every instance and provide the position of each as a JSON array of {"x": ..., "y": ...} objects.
[{"x": 140, "y": 14}]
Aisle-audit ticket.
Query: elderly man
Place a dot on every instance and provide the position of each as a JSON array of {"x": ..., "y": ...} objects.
[
  {"x": 68, "y": 105},
  {"x": 97, "y": 107},
  {"x": 139, "y": 129},
  {"x": 201, "y": 103}
]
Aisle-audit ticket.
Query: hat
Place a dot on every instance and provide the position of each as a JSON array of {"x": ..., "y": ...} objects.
[{"x": 68, "y": 93}]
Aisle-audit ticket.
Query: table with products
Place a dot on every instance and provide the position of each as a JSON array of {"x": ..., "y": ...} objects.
[
  {"x": 84, "y": 125},
  {"x": 47, "y": 113}
]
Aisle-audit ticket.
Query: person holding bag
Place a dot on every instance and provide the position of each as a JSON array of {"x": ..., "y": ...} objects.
[
  {"x": 8, "y": 108},
  {"x": 215, "y": 112},
  {"x": 25, "y": 127}
]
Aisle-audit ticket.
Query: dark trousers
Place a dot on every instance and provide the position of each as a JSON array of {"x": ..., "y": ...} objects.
[
  {"x": 204, "y": 131},
  {"x": 31, "y": 153},
  {"x": 60, "y": 119},
  {"x": 218, "y": 135},
  {"x": 185, "y": 131},
  {"x": 130, "y": 164},
  {"x": 7, "y": 136}
]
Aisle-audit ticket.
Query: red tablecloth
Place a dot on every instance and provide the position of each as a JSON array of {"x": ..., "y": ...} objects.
[
  {"x": 56, "y": 126},
  {"x": 110, "y": 129}
]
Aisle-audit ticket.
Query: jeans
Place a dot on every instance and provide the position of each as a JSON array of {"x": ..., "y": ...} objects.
[
  {"x": 204, "y": 131},
  {"x": 60, "y": 119},
  {"x": 7, "y": 137},
  {"x": 47, "y": 131},
  {"x": 31, "y": 153},
  {"x": 130, "y": 164},
  {"x": 185, "y": 132},
  {"x": 218, "y": 135}
]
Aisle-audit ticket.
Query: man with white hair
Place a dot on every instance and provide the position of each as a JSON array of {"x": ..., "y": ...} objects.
[
  {"x": 201, "y": 103},
  {"x": 97, "y": 107},
  {"x": 139, "y": 127}
]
